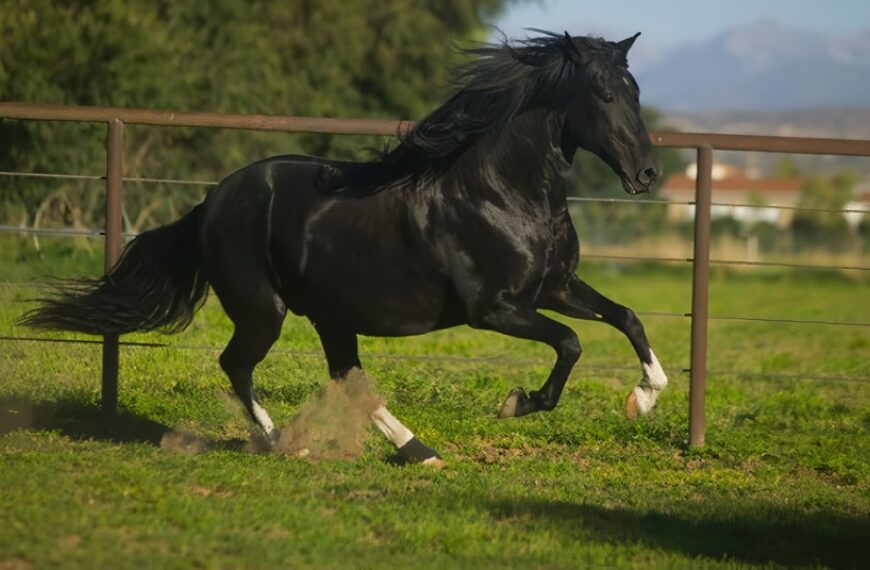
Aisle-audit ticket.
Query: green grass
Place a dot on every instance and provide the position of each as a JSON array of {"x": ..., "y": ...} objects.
[{"x": 783, "y": 481}]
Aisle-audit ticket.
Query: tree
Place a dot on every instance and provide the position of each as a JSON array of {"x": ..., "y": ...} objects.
[
  {"x": 786, "y": 167},
  {"x": 824, "y": 229},
  {"x": 329, "y": 58}
]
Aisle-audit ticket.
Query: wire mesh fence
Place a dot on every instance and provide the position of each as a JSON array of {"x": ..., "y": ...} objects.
[
  {"x": 97, "y": 233},
  {"x": 494, "y": 359},
  {"x": 704, "y": 143}
]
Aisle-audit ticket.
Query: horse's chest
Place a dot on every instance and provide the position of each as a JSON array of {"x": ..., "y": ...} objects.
[
  {"x": 563, "y": 250},
  {"x": 513, "y": 249}
]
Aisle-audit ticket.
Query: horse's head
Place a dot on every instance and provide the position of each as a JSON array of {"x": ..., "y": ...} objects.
[{"x": 604, "y": 116}]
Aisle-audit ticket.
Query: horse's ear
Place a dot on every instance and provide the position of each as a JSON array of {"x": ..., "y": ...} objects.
[
  {"x": 573, "y": 52},
  {"x": 626, "y": 44}
]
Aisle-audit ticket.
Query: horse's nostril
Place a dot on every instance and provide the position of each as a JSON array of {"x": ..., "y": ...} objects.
[{"x": 647, "y": 175}]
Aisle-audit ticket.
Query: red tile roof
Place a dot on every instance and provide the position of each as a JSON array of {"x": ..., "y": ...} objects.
[{"x": 681, "y": 182}]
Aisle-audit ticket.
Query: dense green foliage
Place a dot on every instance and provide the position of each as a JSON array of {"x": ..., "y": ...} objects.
[
  {"x": 783, "y": 481},
  {"x": 819, "y": 228},
  {"x": 331, "y": 58},
  {"x": 323, "y": 59}
]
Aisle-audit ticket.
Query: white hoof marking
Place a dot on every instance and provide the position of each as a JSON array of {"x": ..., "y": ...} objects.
[
  {"x": 651, "y": 385},
  {"x": 645, "y": 399},
  {"x": 391, "y": 427},
  {"x": 265, "y": 423},
  {"x": 654, "y": 374}
]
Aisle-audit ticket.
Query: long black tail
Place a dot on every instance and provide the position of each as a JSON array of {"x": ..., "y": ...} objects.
[{"x": 157, "y": 284}]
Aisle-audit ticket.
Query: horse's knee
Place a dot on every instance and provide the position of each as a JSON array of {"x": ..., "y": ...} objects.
[
  {"x": 633, "y": 325},
  {"x": 569, "y": 349}
]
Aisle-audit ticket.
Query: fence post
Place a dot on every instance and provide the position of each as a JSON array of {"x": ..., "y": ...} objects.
[
  {"x": 114, "y": 174},
  {"x": 700, "y": 294}
]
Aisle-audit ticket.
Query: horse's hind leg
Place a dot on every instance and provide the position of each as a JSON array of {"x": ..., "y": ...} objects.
[
  {"x": 581, "y": 301},
  {"x": 234, "y": 244},
  {"x": 258, "y": 314},
  {"x": 245, "y": 350}
]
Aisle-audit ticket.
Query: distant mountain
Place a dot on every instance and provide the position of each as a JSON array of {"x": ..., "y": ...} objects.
[
  {"x": 847, "y": 123},
  {"x": 763, "y": 67},
  {"x": 843, "y": 122}
]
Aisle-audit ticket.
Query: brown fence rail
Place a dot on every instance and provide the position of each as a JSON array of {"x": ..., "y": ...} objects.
[{"x": 705, "y": 143}]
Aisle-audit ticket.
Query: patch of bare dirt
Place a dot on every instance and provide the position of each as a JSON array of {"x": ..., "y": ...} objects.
[
  {"x": 206, "y": 492},
  {"x": 334, "y": 423},
  {"x": 184, "y": 440}
]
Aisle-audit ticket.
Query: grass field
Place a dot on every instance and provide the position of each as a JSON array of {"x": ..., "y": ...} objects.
[{"x": 783, "y": 481}]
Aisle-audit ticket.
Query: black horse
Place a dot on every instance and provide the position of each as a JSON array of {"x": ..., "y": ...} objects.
[{"x": 465, "y": 221}]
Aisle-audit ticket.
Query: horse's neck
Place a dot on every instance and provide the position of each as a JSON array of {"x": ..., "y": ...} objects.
[{"x": 525, "y": 157}]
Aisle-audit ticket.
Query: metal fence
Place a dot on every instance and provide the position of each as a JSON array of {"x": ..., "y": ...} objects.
[{"x": 704, "y": 143}]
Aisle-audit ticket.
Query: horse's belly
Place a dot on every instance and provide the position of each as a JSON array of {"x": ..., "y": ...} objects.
[
  {"x": 379, "y": 303},
  {"x": 366, "y": 279}
]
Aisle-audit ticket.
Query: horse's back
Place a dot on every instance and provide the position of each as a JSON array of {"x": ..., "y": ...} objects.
[{"x": 351, "y": 261}]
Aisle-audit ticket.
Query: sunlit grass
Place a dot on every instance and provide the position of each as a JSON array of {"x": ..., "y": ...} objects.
[{"x": 784, "y": 478}]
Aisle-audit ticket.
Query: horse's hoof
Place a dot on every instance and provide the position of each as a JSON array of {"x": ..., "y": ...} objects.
[
  {"x": 631, "y": 409},
  {"x": 270, "y": 439},
  {"x": 434, "y": 462},
  {"x": 414, "y": 451},
  {"x": 511, "y": 404}
]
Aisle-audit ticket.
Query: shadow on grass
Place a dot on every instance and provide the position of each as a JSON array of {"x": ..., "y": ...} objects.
[
  {"x": 756, "y": 533},
  {"x": 77, "y": 418}
]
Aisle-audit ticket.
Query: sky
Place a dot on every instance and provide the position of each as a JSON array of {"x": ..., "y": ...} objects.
[{"x": 668, "y": 23}]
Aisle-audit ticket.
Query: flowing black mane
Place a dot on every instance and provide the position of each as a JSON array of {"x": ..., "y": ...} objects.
[{"x": 499, "y": 82}]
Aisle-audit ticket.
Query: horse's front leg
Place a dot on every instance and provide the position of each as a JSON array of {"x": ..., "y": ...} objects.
[
  {"x": 581, "y": 301},
  {"x": 342, "y": 356},
  {"x": 525, "y": 322}
]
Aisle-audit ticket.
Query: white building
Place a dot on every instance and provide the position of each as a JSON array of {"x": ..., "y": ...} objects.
[{"x": 734, "y": 194}]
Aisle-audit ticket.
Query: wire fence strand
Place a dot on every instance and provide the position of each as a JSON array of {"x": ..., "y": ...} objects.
[
  {"x": 721, "y": 204},
  {"x": 625, "y": 200},
  {"x": 656, "y": 259},
  {"x": 789, "y": 265},
  {"x": 500, "y": 359},
  {"x": 94, "y": 233},
  {"x": 650, "y": 313},
  {"x": 135, "y": 179},
  {"x": 787, "y": 321},
  {"x": 58, "y": 176},
  {"x": 60, "y": 232},
  {"x": 579, "y": 199},
  {"x": 784, "y": 376},
  {"x": 171, "y": 181}
]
